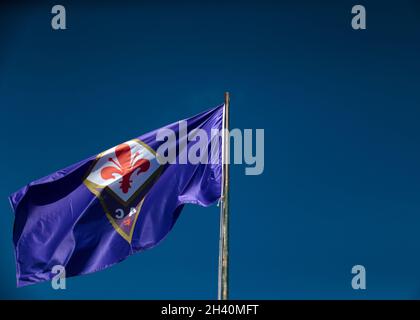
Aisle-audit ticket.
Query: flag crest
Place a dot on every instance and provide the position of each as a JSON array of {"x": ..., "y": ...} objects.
[{"x": 117, "y": 178}]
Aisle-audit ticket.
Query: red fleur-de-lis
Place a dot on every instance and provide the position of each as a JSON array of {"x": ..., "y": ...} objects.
[{"x": 125, "y": 166}]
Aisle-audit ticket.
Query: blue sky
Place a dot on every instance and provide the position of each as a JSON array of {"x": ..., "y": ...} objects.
[{"x": 339, "y": 108}]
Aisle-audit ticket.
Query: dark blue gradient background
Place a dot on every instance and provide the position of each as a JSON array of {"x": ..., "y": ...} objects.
[{"x": 340, "y": 109}]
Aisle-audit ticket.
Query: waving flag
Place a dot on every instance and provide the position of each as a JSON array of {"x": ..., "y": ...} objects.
[{"x": 97, "y": 212}]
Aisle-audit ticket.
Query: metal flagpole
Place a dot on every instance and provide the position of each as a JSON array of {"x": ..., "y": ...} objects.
[{"x": 224, "y": 209}]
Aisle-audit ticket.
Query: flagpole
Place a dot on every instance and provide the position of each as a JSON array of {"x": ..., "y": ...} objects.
[{"x": 223, "y": 289}]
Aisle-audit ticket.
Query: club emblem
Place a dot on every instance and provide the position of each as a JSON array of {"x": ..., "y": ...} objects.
[{"x": 120, "y": 177}]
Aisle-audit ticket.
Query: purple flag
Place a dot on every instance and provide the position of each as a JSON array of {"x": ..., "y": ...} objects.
[{"x": 97, "y": 212}]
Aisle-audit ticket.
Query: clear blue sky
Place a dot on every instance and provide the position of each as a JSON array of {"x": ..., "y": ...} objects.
[{"x": 340, "y": 109}]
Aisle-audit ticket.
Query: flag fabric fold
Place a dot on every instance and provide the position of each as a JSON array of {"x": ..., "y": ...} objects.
[{"x": 99, "y": 211}]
